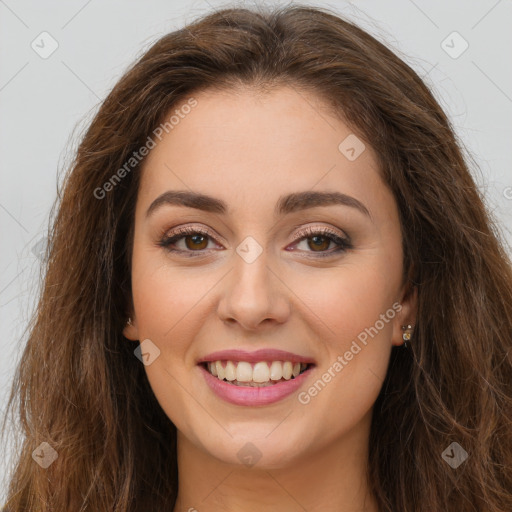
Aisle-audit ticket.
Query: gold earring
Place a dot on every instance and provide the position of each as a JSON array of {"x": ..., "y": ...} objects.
[{"x": 406, "y": 336}]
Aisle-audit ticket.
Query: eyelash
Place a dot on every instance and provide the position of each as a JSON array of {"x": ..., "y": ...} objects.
[{"x": 343, "y": 243}]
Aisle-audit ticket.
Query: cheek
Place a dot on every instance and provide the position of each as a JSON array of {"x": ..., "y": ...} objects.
[
  {"x": 168, "y": 303},
  {"x": 351, "y": 311},
  {"x": 347, "y": 299},
  {"x": 161, "y": 295}
]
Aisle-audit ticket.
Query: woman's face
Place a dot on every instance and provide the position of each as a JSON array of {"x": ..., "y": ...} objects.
[{"x": 250, "y": 277}]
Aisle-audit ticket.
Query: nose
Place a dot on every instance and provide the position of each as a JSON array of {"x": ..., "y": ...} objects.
[{"x": 253, "y": 295}]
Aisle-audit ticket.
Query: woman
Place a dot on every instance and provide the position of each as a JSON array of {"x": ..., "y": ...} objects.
[{"x": 272, "y": 284}]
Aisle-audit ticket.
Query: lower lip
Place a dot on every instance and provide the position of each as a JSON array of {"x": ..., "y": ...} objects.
[{"x": 252, "y": 396}]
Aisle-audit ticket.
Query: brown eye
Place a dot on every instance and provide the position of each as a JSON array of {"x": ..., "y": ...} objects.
[
  {"x": 196, "y": 242},
  {"x": 317, "y": 244},
  {"x": 317, "y": 240}
]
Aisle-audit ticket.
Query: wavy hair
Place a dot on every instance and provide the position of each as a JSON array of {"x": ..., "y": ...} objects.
[{"x": 79, "y": 387}]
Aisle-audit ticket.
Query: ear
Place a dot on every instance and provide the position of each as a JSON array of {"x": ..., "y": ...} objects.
[
  {"x": 407, "y": 314},
  {"x": 131, "y": 331}
]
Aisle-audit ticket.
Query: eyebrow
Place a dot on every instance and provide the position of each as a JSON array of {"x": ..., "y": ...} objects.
[{"x": 290, "y": 203}]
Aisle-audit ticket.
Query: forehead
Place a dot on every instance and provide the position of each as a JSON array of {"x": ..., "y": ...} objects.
[{"x": 246, "y": 147}]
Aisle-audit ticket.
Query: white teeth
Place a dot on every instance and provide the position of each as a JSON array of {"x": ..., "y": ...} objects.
[
  {"x": 221, "y": 374},
  {"x": 287, "y": 370},
  {"x": 244, "y": 372},
  {"x": 276, "y": 370},
  {"x": 261, "y": 373},
  {"x": 230, "y": 371}
]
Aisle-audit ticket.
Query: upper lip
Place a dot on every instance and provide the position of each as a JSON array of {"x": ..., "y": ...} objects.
[{"x": 264, "y": 354}]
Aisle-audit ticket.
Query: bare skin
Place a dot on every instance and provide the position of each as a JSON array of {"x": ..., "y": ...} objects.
[{"x": 248, "y": 150}]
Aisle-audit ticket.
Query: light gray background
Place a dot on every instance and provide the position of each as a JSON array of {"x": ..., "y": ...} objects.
[{"x": 43, "y": 100}]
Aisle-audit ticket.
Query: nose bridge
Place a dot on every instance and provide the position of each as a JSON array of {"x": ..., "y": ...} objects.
[{"x": 253, "y": 292}]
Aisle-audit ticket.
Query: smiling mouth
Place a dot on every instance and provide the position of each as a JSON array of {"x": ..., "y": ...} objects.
[{"x": 260, "y": 374}]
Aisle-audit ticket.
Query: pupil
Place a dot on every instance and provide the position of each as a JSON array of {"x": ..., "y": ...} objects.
[
  {"x": 317, "y": 240},
  {"x": 196, "y": 239}
]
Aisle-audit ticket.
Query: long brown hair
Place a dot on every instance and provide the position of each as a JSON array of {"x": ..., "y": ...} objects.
[{"x": 80, "y": 388}]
